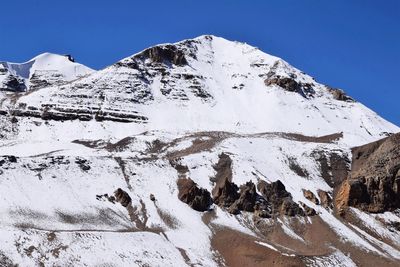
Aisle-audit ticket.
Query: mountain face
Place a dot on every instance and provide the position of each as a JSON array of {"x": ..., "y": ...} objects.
[{"x": 205, "y": 152}]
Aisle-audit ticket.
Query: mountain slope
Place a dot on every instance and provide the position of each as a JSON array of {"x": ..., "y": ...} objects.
[
  {"x": 43, "y": 70},
  {"x": 210, "y": 83},
  {"x": 205, "y": 152}
]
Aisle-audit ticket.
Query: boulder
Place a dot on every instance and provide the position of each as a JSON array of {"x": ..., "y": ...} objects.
[{"x": 122, "y": 197}]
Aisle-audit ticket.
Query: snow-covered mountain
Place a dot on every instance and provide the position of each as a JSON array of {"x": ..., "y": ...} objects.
[
  {"x": 205, "y": 152},
  {"x": 41, "y": 71}
]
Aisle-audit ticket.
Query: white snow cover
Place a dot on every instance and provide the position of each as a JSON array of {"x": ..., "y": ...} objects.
[
  {"x": 46, "y": 63},
  {"x": 48, "y": 192}
]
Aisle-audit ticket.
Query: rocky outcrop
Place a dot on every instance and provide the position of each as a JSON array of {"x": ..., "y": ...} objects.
[
  {"x": 122, "y": 197},
  {"x": 374, "y": 182},
  {"x": 224, "y": 192},
  {"x": 310, "y": 196},
  {"x": 290, "y": 84},
  {"x": 307, "y": 210},
  {"x": 326, "y": 200},
  {"x": 168, "y": 54},
  {"x": 334, "y": 166},
  {"x": 197, "y": 198},
  {"x": 340, "y": 95},
  {"x": 13, "y": 83},
  {"x": 279, "y": 199}
]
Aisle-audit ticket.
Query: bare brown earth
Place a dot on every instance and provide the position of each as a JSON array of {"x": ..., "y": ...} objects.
[{"x": 240, "y": 250}]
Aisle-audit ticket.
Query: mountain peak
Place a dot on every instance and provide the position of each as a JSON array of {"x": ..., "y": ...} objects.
[{"x": 43, "y": 70}]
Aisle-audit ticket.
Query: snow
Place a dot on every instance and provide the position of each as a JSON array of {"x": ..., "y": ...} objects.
[
  {"x": 47, "y": 64},
  {"x": 251, "y": 123},
  {"x": 336, "y": 259}
]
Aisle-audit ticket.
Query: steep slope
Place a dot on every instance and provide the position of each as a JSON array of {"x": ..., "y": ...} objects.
[
  {"x": 208, "y": 83},
  {"x": 374, "y": 182},
  {"x": 41, "y": 71},
  {"x": 205, "y": 152}
]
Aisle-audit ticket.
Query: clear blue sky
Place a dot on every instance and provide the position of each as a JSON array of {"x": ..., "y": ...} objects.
[{"x": 354, "y": 45}]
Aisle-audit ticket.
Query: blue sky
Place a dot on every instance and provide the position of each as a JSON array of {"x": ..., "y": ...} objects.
[{"x": 354, "y": 45}]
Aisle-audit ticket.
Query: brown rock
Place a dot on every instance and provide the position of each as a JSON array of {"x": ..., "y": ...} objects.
[
  {"x": 288, "y": 84},
  {"x": 247, "y": 197},
  {"x": 310, "y": 196},
  {"x": 326, "y": 200},
  {"x": 197, "y": 198},
  {"x": 225, "y": 195},
  {"x": 340, "y": 95},
  {"x": 166, "y": 54},
  {"x": 308, "y": 210},
  {"x": 374, "y": 182},
  {"x": 122, "y": 197},
  {"x": 279, "y": 199}
]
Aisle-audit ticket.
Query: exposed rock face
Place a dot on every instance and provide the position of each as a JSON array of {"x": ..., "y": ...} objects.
[
  {"x": 334, "y": 166},
  {"x": 247, "y": 197},
  {"x": 13, "y": 83},
  {"x": 226, "y": 194},
  {"x": 374, "y": 182},
  {"x": 197, "y": 198},
  {"x": 166, "y": 54},
  {"x": 122, "y": 197},
  {"x": 280, "y": 200},
  {"x": 288, "y": 83}
]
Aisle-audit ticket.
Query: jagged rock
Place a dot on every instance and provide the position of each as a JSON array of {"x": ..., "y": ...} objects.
[
  {"x": 122, "y": 197},
  {"x": 374, "y": 182},
  {"x": 152, "y": 197},
  {"x": 280, "y": 200},
  {"x": 286, "y": 83},
  {"x": 290, "y": 208},
  {"x": 334, "y": 166},
  {"x": 308, "y": 210},
  {"x": 83, "y": 163},
  {"x": 13, "y": 83},
  {"x": 224, "y": 193},
  {"x": 249, "y": 200},
  {"x": 166, "y": 54},
  {"x": 70, "y": 58},
  {"x": 197, "y": 198},
  {"x": 326, "y": 200},
  {"x": 247, "y": 197},
  {"x": 340, "y": 95},
  {"x": 310, "y": 196},
  {"x": 12, "y": 159},
  {"x": 290, "y": 84}
]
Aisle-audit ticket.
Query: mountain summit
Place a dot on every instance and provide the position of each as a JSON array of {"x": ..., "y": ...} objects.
[{"x": 205, "y": 152}]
